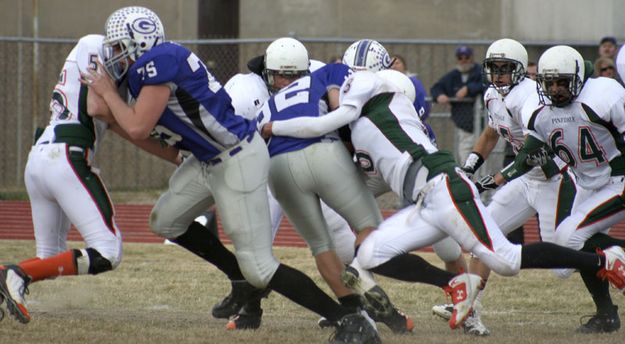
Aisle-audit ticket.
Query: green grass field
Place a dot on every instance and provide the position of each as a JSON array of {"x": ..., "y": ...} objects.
[{"x": 163, "y": 294}]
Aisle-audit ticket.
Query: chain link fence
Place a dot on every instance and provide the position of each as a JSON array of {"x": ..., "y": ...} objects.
[{"x": 29, "y": 69}]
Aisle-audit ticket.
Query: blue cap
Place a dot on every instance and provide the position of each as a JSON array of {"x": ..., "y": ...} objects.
[
  {"x": 608, "y": 39},
  {"x": 463, "y": 50}
]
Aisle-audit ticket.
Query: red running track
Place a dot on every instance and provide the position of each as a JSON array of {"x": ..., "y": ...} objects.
[{"x": 132, "y": 219}]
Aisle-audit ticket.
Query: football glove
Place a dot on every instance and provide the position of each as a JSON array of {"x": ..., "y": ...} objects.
[
  {"x": 538, "y": 158},
  {"x": 486, "y": 183}
]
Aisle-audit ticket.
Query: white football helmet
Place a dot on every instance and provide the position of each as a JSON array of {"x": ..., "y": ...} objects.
[
  {"x": 560, "y": 65},
  {"x": 130, "y": 32},
  {"x": 514, "y": 58},
  {"x": 285, "y": 56},
  {"x": 400, "y": 80},
  {"x": 367, "y": 54}
]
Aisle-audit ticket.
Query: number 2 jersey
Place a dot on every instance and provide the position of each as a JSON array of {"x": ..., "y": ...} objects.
[
  {"x": 588, "y": 133},
  {"x": 388, "y": 129},
  {"x": 199, "y": 116},
  {"x": 68, "y": 106},
  {"x": 306, "y": 96}
]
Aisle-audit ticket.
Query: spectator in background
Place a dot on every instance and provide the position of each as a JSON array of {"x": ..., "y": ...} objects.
[
  {"x": 422, "y": 107},
  {"x": 607, "y": 47},
  {"x": 532, "y": 70},
  {"x": 465, "y": 80},
  {"x": 335, "y": 59},
  {"x": 604, "y": 66}
]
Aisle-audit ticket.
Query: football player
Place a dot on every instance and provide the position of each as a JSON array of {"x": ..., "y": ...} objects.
[
  {"x": 582, "y": 122},
  {"x": 178, "y": 97},
  {"x": 285, "y": 60},
  {"x": 387, "y": 132},
  {"x": 547, "y": 191},
  {"x": 64, "y": 189}
]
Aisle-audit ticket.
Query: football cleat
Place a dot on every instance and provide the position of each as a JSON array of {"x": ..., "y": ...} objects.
[
  {"x": 377, "y": 303},
  {"x": 443, "y": 311},
  {"x": 604, "y": 322},
  {"x": 245, "y": 320},
  {"x": 241, "y": 293},
  {"x": 13, "y": 287},
  {"x": 355, "y": 328},
  {"x": 614, "y": 270},
  {"x": 397, "y": 321},
  {"x": 473, "y": 325},
  {"x": 463, "y": 290},
  {"x": 325, "y": 323}
]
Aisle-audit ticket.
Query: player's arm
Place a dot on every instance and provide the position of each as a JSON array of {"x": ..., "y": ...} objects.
[
  {"x": 481, "y": 150},
  {"x": 97, "y": 108},
  {"x": 150, "y": 145},
  {"x": 137, "y": 120},
  {"x": 307, "y": 127}
]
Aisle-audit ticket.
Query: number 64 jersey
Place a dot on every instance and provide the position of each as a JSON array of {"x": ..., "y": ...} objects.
[{"x": 588, "y": 133}]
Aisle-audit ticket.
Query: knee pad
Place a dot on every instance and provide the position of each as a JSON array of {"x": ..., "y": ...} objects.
[
  {"x": 258, "y": 273},
  {"x": 447, "y": 250},
  {"x": 163, "y": 227},
  {"x": 90, "y": 261}
]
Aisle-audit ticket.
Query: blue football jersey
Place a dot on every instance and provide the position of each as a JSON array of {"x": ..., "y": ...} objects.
[
  {"x": 306, "y": 96},
  {"x": 199, "y": 116}
]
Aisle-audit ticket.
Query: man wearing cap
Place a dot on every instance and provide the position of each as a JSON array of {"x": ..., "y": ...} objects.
[
  {"x": 465, "y": 80},
  {"x": 607, "y": 47}
]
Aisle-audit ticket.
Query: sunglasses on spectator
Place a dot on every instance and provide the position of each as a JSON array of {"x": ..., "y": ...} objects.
[
  {"x": 605, "y": 69},
  {"x": 464, "y": 57}
]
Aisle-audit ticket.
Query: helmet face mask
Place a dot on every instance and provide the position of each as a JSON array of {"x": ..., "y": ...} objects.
[
  {"x": 287, "y": 58},
  {"x": 505, "y": 65},
  {"x": 560, "y": 75},
  {"x": 130, "y": 32},
  {"x": 367, "y": 54}
]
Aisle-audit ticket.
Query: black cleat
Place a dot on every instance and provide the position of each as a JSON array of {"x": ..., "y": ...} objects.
[
  {"x": 245, "y": 320},
  {"x": 240, "y": 294},
  {"x": 355, "y": 328},
  {"x": 397, "y": 321},
  {"x": 604, "y": 322}
]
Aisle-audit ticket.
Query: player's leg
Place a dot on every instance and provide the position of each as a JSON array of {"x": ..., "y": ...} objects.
[
  {"x": 386, "y": 252},
  {"x": 294, "y": 183},
  {"x": 173, "y": 217},
  {"x": 239, "y": 186}
]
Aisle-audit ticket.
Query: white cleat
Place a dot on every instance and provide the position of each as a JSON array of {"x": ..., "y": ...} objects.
[
  {"x": 463, "y": 290},
  {"x": 614, "y": 270}
]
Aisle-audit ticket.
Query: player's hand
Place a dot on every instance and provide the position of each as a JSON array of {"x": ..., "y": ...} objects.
[
  {"x": 538, "y": 158},
  {"x": 98, "y": 81},
  {"x": 266, "y": 132},
  {"x": 486, "y": 183}
]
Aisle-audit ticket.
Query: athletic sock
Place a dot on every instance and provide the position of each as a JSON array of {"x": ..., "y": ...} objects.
[
  {"x": 207, "y": 246},
  {"x": 413, "y": 268},
  {"x": 299, "y": 288},
  {"x": 353, "y": 302},
  {"x": 602, "y": 241},
  {"x": 37, "y": 269},
  {"x": 599, "y": 290},
  {"x": 546, "y": 255}
]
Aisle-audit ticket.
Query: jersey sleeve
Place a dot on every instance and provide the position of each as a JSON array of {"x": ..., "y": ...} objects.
[
  {"x": 161, "y": 69},
  {"x": 489, "y": 97},
  {"x": 358, "y": 89},
  {"x": 529, "y": 107},
  {"x": 87, "y": 52}
]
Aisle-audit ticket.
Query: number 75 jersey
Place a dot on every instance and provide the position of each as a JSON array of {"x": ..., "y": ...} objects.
[{"x": 588, "y": 133}]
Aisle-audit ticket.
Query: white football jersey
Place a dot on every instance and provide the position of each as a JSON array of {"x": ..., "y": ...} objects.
[
  {"x": 69, "y": 98},
  {"x": 248, "y": 93},
  {"x": 588, "y": 133},
  {"x": 387, "y": 129},
  {"x": 506, "y": 116}
]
